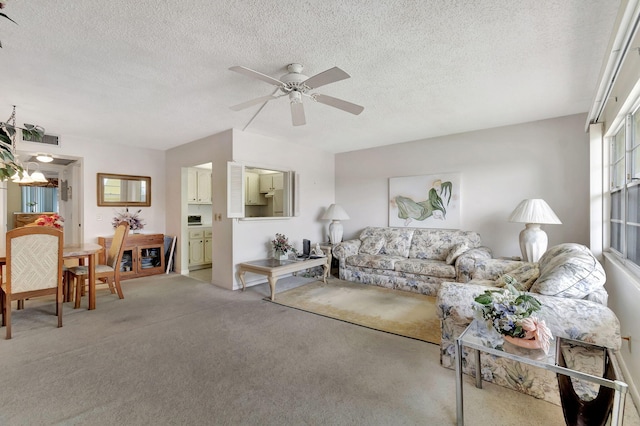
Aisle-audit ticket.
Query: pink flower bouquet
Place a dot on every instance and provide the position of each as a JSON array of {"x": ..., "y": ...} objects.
[{"x": 55, "y": 220}]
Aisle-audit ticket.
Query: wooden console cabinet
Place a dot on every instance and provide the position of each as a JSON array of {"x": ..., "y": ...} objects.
[
  {"x": 21, "y": 219},
  {"x": 143, "y": 255}
]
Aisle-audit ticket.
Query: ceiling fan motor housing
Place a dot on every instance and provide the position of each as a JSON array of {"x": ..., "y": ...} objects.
[{"x": 294, "y": 79}]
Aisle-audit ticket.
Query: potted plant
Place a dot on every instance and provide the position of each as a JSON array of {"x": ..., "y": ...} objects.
[
  {"x": 9, "y": 165},
  {"x": 281, "y": 246}
]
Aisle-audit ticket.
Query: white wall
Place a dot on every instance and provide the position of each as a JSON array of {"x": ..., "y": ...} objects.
[
  {"x": 236, "y": 241},
  {"x": 499, "y": 167},
  {"x": 624, "y": 294},
  {"x": 112, "y": 158},
  {"x": 215, "y": 149},
  {"x": 251, "y": 239}
]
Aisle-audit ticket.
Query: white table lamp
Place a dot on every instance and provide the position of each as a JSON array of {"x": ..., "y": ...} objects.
[
  {"x": 335, "y": 213},
  {"x": 533, "y": 240}
]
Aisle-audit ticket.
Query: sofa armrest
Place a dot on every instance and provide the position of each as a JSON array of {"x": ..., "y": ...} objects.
[
  {"x": 466, "y": 262},
  {"x": 575, "y": 319},
  {"x": 346, "y": 249},
  {"x": 492, "y": 269}
]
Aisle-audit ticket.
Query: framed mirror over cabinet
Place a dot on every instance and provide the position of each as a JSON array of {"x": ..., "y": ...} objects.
[{"x": 123, "y": 190}]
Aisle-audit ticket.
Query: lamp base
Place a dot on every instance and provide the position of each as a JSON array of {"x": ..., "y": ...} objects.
[
  {"x": 335, "y": 232},
  {"x": 533, "y": 242}
]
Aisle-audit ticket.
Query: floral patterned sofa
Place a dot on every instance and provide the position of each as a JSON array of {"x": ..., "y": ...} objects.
[
  {"x": 569, "y": 282},
  {"x": 410, "y": 259}
]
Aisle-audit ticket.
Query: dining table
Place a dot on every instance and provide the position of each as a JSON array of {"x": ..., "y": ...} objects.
[{"x": 77, "y": 251}]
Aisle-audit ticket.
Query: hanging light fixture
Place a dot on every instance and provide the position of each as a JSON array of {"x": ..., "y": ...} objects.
[{"x": 36, "y": 177}]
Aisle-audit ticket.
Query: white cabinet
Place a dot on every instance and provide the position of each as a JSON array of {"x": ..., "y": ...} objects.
[
  {"x": 208, "y": 246},
  {"x": 204, "y": 186},
  {"x": 200, "y": 247},
  {"x": 271, "y": 182},
  {"x": 198, "y": 186},
  {"x": 253, "y": 197},
  {"x": 192, "y": 185}
]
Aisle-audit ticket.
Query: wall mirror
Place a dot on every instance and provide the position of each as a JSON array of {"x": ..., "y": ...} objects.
[{"x": 123, "y": 190}]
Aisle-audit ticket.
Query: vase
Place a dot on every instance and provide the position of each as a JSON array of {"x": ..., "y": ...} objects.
[
  {"x": 523, "y": 343},
  {"x": 280, "y": 255}
]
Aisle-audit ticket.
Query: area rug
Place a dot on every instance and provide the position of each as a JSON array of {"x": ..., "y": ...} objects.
[{"x": 399, "y": 312}]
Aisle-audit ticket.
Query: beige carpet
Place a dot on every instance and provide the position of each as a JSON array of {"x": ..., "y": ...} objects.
[{"x": 398, "y": 312}]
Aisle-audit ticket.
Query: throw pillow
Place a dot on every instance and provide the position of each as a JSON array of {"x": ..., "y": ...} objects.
[
  {"x": 524, "y": 276},
  {"x": 455, "y": 251},
  {"x": 569, "y": 270},
  {"x": 371, "y": 245}
]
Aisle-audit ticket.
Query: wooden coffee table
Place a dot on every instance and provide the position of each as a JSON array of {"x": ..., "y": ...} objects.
[{"x": 274, "y": 269}]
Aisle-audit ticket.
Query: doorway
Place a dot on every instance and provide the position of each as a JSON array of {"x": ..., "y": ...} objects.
[
  {"x": 198, "y": 220},
  {"x": 64, "y": 182}
]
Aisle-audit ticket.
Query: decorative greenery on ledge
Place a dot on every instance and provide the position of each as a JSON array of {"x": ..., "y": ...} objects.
[
  {"x": 2, "y": 5},
  {"x": 8, "y": 164}
]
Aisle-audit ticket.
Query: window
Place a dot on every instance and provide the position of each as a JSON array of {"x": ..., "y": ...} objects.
[
  {"x": 625, "y": 189},
  {"x": 39, "y": 199}
]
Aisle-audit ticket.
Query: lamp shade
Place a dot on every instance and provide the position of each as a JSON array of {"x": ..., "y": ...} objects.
[
  {"x": 38, "y": 176},
  {"x": 534, "y": 210},
  {"x": 335, "y": 212}
]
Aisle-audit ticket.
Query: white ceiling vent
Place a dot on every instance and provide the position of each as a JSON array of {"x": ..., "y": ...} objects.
[{"x": 46, "y": 139}]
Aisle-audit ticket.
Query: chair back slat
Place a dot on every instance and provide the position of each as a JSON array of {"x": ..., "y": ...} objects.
[{"x": 117, "y": 245}]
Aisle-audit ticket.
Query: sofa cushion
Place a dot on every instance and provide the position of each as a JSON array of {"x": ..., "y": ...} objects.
[
  {"x": 373, "y": 261},
  {"x": 437, "y": 243},
  {"x": 434, "y": 268},
  {"x": 396, "y": 240},
  {"x": 371, "y": 245},
  {"x": 569, "y": 270},
  {"x": 455, "y": 251},
  {"x": 525, "y": 275}
]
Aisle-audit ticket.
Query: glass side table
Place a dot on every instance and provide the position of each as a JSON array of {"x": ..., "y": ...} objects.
[{"x": 477, "y": 336}]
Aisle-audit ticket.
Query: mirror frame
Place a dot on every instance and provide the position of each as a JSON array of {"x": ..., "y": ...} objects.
[{"x": 103, "y": 203}]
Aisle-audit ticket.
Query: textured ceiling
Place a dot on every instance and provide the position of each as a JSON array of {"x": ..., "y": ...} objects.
[{"x": 154, "y": 73}]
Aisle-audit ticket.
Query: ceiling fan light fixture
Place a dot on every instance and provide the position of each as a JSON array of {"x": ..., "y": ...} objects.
[
  {"x": 295, "y": 97},
  {"x": 44, "y": 158}
]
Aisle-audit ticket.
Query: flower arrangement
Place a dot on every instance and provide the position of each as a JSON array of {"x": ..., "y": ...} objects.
[
  {"x": 135, "y": 222},
  {"x": 509, "y": 312},
  {"x": 281, "y": 244},
  {"x": 55, "y": 220}
]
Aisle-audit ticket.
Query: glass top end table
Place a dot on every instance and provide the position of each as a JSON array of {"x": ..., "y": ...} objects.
[{"x": 484, "y": 340}]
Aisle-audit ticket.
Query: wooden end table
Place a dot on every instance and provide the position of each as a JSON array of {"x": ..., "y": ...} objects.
[{"x": 274, "y": 269}]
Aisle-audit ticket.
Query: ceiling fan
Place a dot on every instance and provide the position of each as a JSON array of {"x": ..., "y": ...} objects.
[{"x": 297, "y": 85}]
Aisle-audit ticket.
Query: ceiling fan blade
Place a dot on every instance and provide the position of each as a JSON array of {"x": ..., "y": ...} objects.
[
  {"x": 297, "y": 114},
  {"x": 255, "y": 74},
  {"x": 325, "y": 77},
  {"x": 253, "y": 102},
  {"x": 338, "y": 103}
]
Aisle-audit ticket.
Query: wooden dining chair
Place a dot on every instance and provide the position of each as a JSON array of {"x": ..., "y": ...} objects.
[
  {"x": 34, "y": 268},
  {"x": 109, "y": 272}
]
